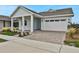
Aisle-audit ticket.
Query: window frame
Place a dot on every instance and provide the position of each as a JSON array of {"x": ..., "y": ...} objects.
[
  {"x": 47, "y": 20},
  {"x": 56, "y": 20},
  {"x": 52, "y": 20},
  {"x": 63, "y": 19}
]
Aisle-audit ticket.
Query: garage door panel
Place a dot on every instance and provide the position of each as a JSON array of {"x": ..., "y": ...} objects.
[{"x": 55, "y": 26}]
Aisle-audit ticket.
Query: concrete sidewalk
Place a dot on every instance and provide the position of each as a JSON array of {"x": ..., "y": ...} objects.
[
  {"x": 17, "y": 44},
  {"x": 14, "y": 47}
]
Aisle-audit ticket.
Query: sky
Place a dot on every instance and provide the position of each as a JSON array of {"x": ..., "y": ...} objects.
[{"x": 8, "y": 9}]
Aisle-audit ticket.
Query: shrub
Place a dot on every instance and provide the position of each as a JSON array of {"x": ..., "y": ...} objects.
[
  {"x": 5, "y": 29},
  {"x": 21, "y": 35},
  {"x": 77, "y": 43},
  {"x": 68, "y": 41},
  {"x": 24, "y": 34},
  {"x": 71, "y": 32},
  {"x": 15, "y": 29},
  {"x": 72, "y": 42}
]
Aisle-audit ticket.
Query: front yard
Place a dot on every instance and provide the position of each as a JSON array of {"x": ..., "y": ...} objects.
[
  {"x": 72, "y": 42},
  {"x": 8, "y": 33},
  {"x": 2, "y": 40}
]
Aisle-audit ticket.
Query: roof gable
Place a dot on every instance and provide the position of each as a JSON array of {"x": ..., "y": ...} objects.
[{"x": 20, "y": 11}]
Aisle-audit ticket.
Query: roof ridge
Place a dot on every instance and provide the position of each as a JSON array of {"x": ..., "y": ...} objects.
[{"x": 56, "y": 10}]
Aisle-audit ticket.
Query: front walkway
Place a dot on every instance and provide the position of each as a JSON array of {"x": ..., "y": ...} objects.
[{"x": 17, "y": 44}]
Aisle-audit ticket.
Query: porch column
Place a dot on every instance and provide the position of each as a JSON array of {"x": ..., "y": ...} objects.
[
  {"x": 23, "y": 24},
  {"x": 31, "y": 23},
  {"x": 19, "y": 24},
  {"x": 11, "y": 24}
]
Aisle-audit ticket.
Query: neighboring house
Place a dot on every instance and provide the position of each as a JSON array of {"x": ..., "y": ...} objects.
[
  {"x": 51, "y": 20},
  {"x": 4, "y": 21}
]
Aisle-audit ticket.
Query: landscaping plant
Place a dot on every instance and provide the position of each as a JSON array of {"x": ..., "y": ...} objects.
[{"x": 71, "y": 32}]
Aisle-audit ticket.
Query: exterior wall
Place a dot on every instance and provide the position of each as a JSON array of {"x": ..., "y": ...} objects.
[
  {"x": 54, "y": 26},
  {"x": 21, "y": 12},
  {"x": 37, "y": 23}
]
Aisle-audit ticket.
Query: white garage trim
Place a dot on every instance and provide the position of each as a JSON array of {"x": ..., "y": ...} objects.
[{"x": 57, "y": 24}]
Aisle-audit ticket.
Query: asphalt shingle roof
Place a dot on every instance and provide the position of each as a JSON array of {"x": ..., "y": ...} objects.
[
  {"x": 3, "y": 17},
  {"x": 49, "y": 13},
  {"x": 57, "y": 12}
]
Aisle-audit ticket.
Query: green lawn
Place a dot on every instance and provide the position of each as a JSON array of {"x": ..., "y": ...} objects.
[
  {"x": 8, "y": 33},
  {"x": 72, "y": 42},
  {"x": 2, "y": 40}
]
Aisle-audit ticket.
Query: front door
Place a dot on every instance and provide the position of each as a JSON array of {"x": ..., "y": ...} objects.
[{"x": 27, "y": 24}]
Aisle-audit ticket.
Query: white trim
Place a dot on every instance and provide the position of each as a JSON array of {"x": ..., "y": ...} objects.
[
  {"x": 11, "y": 24},
  {"x": 22, "y": 15},
  {"x": 22, "y": 23},
  {"x": 58, "y": 15},
  {"x": 54, "y": 18},
  {"x": 31, "y": 23}
]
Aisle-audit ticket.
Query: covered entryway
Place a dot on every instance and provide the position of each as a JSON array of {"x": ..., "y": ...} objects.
[
  {"x": 28, "y": 19},
  {"x": 26, "y": 24}
]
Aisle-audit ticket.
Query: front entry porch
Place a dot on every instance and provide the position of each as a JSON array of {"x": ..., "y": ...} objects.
[{"x": 26, "y": 23}]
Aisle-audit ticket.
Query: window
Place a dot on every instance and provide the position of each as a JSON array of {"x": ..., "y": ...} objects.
[
  {"x": 25, "y": 22},
  {"x": 56, "y": 20},
  {"x": 51, "y": 20},
  {"x": 63, "y": 19},
  {"x": 15, "y": 24},
  {"x": 46, "y": 20}
]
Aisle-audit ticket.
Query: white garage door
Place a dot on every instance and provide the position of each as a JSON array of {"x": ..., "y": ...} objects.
[
  {"x": 1, "y": 24},
  {"x": 54, "y": 25}
]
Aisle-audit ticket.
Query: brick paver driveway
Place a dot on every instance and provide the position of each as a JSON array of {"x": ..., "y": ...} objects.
[{"x": 52, "y": 37}]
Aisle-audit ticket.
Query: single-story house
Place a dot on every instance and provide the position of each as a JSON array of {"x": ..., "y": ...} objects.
[
  {"x": 4, "y": 21},
  {"x": 29, "y": 20},
  {"x": 51, "y": 20}
]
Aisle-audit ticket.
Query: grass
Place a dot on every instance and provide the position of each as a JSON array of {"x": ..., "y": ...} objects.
[
  {"x": 72, "y": 42},
  {"x": 2, "y": 40},
  {"x": 8, "y": 33}
]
